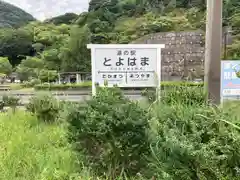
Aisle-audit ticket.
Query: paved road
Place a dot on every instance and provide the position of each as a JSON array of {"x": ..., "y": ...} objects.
[{"x": 75, "y": 96}]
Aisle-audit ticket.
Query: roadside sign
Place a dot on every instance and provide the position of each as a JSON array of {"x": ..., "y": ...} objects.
[
  {"x": 230, "y": 79},
  {"x": 126, "y": 65}
]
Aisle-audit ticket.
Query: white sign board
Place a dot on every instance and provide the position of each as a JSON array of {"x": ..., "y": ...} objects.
[{"x": 126, "y": 65}]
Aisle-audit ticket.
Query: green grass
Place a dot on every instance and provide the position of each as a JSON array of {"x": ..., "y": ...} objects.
[{"x": 30, "y": 150}]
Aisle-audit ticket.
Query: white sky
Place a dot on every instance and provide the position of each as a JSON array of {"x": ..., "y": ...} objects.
[{"x": 43, "y": 9}]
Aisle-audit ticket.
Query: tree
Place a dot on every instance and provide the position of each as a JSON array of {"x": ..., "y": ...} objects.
[
  {"x": 98, "y": 26},
  {"x": 234, "y": 51},
  {"x": 5, "y": 66},
  {"x": 48, "y": 75},
  {"x": 51, "y": 59},
  {"x": 66, "y": 18},
  {"x": 29, "y": 68},
  {"x": 235, "y": 22},
  {"x": 74, "y": 55},
  {"x": 33, "y": 62},
  {"x": 15, "y": 43},
  {"x": 96, "y": 4}
]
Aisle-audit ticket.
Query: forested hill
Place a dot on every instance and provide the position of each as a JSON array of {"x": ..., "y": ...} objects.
[
  {"x": 67, "y": 18},
  {"x": 59, "y": 44},
  {"x": 12, "y": 16}
]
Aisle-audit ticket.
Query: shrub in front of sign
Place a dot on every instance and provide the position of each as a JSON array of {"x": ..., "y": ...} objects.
[{"x": 111, "y": 131}]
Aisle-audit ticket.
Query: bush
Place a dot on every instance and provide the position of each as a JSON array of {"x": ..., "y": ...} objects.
[
  {"x": 57, "y": 87},
  {"x": 11, "y": 101},
  {"x": 2, "y": 105},
  {"x": 194, "y": 143},
  {"x": 111, "y": 132},
  {"x": 45, "y": 106},
  {"x": 183, "y": 93}
]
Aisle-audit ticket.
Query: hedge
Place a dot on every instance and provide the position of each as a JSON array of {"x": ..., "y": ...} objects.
[{"x": 88, "y": 84}]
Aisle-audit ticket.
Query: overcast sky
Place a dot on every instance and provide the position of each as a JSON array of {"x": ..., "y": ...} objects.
[{"x": 43, "y": 9}]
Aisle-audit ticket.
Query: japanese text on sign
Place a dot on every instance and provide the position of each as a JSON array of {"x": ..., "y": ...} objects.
[
  {"x": 128, "y": 57},
  {"x": 230, "y": 82},
  {"x": 126, "y": 65}
]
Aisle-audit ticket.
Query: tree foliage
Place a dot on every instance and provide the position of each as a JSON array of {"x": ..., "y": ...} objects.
[
  {"x": 29, "y": 68},
  {"x": 5, "y": 66},
  {"x": 67, "y": 18},
  {"x": 15, "y": 44},
  {"x": 74, "y": 55},
  {"x": 48, "y": 75}
]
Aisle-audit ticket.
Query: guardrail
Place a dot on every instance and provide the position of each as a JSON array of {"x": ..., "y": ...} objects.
[{"x": 72, "y": 96}]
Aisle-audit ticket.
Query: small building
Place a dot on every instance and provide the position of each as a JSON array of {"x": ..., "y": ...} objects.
[{"x": 73, "y": 77}]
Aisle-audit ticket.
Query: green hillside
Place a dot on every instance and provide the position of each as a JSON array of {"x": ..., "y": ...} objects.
[{"x": 12, "y": 16}]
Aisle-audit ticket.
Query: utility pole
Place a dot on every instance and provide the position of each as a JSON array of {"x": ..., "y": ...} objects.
[{"x": 213, "y": 44}]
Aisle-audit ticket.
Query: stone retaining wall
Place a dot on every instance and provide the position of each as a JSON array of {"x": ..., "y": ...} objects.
[{"x": 183, "y": 57}]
